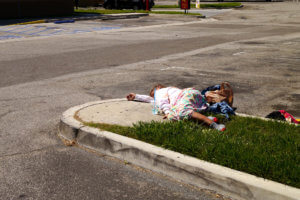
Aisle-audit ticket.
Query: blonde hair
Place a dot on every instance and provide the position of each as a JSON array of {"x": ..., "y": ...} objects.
[{"x": 156, "y": 86}]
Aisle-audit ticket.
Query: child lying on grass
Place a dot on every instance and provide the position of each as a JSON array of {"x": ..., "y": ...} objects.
[{"x": 178, "y": 104}]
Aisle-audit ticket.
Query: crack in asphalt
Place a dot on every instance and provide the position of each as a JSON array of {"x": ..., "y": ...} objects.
[
  {"x": 6, "y": 113},
  {"x": 32, "y": 151},
  {"x": 32, "y": 97}
]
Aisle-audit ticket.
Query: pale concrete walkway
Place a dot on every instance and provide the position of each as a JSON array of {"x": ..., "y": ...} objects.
[{"x": 120, "y": 112}]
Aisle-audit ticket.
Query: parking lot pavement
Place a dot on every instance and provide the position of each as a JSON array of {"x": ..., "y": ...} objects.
[
  {"x": 86, "y": 26},
  {"x": 50, "y": 29},
  {"x": 210, "y": 12}
]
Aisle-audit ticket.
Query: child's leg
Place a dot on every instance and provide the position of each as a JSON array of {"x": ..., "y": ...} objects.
[{"x": 202, "y": 118}]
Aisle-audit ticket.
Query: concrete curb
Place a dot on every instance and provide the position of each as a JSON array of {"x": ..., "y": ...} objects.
[
  {"x": 31, "y": 22},
  {"x": 190, "y": 170},
  {"x": 241, "y": 6},
  {"x": 263, "y": 118},
  {"x": 104, "y": 17}
]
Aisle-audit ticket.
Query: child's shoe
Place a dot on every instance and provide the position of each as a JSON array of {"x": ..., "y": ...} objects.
[
  {"x": 214, "y": 119},
  {"x": 219, "y": 127}
]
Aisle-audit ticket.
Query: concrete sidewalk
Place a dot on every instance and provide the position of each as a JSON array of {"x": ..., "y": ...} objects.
[
  {"x": 121, "y": 112},
  {"x": 184, "y": 168}
]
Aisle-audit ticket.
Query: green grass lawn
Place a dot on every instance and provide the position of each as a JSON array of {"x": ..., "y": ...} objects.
[
  {"x": 266, "y": 149},
  {"x": 105, "y": 11},
  {"x": 211, "y": 5},
  {"x": 78, "y": 11}
]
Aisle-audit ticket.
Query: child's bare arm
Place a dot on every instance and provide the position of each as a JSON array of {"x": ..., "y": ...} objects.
[{"x": 139, "y": 97}]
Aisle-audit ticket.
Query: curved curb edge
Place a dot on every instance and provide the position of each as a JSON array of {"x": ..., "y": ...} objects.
[
  {"x": 241, "y": 6},
  {"x": 187, "y": 169}
]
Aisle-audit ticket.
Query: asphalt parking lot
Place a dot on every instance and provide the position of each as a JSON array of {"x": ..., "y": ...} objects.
[
  {"x": 50, "y": 29},
  {"x": 85, "y": 26}
]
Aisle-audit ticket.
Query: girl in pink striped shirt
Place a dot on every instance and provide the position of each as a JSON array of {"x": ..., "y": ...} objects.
[{"x": 179, "y": 104}]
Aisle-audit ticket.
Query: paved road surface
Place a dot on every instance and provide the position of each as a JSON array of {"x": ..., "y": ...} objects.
[{"x": 34, "y": 30}]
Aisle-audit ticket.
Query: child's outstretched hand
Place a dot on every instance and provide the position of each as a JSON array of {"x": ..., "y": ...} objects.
[{"x": 130, "y": 97}]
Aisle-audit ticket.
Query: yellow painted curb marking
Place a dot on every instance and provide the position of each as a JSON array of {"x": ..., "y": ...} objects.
[{"x": 32, "y": 22}]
